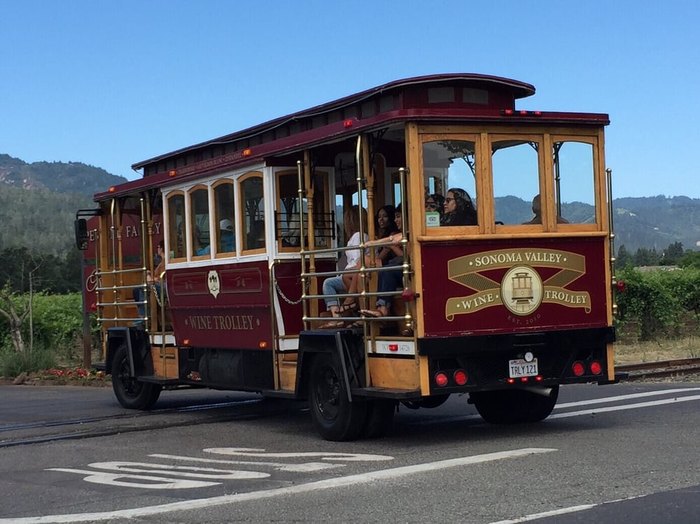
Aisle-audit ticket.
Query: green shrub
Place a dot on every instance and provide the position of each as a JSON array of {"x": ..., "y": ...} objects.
[
  {"x": 658, "y": 301},
  {"x": 13, "y": 363}
]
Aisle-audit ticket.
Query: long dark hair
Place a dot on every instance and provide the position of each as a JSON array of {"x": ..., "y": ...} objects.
[
  {"x": 464, "y": 214},
  {"x": 391, "y": 226}
]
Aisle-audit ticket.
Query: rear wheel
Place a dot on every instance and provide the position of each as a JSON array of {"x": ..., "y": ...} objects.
[
  {"x": 332, "y": 413},
  {"x": 515, "y": 406},
  {"x": 130, "y": 392},
  {"x": 380, "y": 418}
]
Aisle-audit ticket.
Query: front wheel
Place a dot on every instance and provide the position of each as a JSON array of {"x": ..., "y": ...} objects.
[
  {"x": 515, "y": 406},
  {"x": 332, "y": 413},
  {"x": 131, "y": 393}
]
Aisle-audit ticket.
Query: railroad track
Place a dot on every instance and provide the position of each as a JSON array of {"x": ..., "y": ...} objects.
[{"x": 660, "y": 368}]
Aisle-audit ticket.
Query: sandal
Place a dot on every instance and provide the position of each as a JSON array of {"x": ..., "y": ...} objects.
[
  {"x": 349, "y": 310},
  {"x": 333, "y": 324},
  {"x": 372, "y": 313}
]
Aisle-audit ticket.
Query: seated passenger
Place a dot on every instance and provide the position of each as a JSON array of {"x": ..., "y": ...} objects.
[
  {"x": 152, "y": 280},
  {"x": 459, "y": 209},
  {"x": 227, "y": 240},
  {"x": 385, "y": 225},
  {"x": 389, "y": 280},
  {"x": 338, "y": 285},
  {"x": 537, "y": 211},
  {"x": 435, "y": 203}
]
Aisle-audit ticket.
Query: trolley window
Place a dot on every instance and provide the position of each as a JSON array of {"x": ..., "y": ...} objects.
[
  {"x": 225, "y": 213},
  {"x": 252, "y": 212},
  {"x": 574, "y": 175},
  {"x": 515, "y": 167},
  {"x": 199, "y": 222},
  {"x": 176, "y": 226}
]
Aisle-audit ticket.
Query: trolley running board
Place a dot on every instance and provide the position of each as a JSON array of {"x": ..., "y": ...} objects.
[{"x": 398, "y": 394}]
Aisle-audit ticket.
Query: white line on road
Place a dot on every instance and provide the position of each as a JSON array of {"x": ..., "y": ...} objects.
[
  {"x": 595, "y": 411},
  {"x": 605, "y": 400},
  {"x": 562, "y": 511},
  {"x": 350, "y": 480}
]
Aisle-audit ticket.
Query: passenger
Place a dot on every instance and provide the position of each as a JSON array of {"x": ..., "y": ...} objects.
[
  {"x": 385, "y": 226},
  {"x": 227, "y": 239},
  {"x": 392, "y": 279},
  {"x": 337, "y": 285},
  {"x": 435, "y": 203},
  {"x": 152, "y": 280},
  {"x": 459, "y": 209},
  {"x": 537, "y": 211}
]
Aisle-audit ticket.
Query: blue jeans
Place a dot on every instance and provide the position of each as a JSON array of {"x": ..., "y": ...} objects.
[
  {"x": 390, "y": 281},
  {"x": 333, "y": 286}
]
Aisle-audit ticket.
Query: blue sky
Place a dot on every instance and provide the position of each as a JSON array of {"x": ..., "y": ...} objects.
[{"x": 113, "y": 83}]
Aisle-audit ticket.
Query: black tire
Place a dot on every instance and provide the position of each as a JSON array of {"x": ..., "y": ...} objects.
[
  {"x": 380, "y": 418},
  {"x": 333, "y": 415},
  {"x": 515, "y": 406},
  {"x": 131, "y": 393},
  {"x": 427, "y": 402}
]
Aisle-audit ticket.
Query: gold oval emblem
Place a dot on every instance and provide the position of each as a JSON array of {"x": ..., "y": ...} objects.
[{"x": 521, "y": 290}]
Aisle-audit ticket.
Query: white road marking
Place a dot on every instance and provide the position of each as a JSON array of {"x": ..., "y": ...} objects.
[
  {"x": 180, "y": 471},
  {"x": 306, "y": 467},
  {"x": 350, "y": 480},
  {"x": 325, "y": 455},
  {"x": 605, "y": 400},
  {"x": 625, "y": 407},
  {"x": 563, "y": 511},
  {"x": 137, "y": 481}
]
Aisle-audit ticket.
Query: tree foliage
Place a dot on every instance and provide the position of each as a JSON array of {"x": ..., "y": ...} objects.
[{"x": 658, "y": 301}]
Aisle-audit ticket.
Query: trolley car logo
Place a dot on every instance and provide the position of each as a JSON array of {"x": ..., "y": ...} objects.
[
  {"x": 521, "y": 289},
  {"x": 213, "y": 283}
]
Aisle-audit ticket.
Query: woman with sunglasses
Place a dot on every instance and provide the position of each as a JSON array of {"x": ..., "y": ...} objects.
[
  {"x": 435, "y": 202},
  {"x": 459, "y": 209}
]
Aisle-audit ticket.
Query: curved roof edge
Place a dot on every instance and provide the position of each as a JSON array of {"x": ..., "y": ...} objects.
[{"x": 516, "y": 88}]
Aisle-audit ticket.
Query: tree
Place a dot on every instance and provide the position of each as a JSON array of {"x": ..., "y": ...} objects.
[
  {"x": 15, "y": 312},
  {"x": 672, "y": 254},
  {"x": 624, "y": 258},
  {"x": 646, "y": 257}
]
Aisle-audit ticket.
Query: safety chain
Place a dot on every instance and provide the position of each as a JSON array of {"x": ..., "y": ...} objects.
[{"x": 281, "y": 293}]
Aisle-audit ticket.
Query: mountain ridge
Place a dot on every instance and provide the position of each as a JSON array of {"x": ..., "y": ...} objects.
[{"x": 652, "y": 222}]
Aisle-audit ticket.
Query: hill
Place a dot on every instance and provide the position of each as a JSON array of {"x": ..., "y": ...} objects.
[
  {"x": 61, "y": 177},
  {"x": 38, "y": 202}
]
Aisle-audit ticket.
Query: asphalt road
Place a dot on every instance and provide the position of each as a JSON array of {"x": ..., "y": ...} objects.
[{"x": 622, "y": 453}]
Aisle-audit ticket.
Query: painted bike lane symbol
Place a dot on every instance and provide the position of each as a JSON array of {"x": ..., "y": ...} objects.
[{"x": 149, "y": 475}]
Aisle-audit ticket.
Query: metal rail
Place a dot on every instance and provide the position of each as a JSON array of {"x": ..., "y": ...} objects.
[{"x": 660, "y": 368}]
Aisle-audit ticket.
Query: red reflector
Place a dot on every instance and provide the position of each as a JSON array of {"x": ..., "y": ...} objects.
[
  {"x": 441, "y": 379},
  {"x": 460, "y": 377},
  {"x": 523, "y": 112},
  {"x": 596, "y": 368},
  {"x": 510, "y": 380},
  {"x": 578, "y": 368},
  {"x": 524, "y": 379},
  {"x": 393, "y": 347},
  {"x": 539, "y": 378},
  {"x": 347, "y": 123},
  {"x": 508, "y": 112},
  {"x": 538, "y": 113},
  {"x": 620, "y": 286}
]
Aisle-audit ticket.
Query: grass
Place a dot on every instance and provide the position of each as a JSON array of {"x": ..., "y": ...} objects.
[{"x": 663, "y": 349}]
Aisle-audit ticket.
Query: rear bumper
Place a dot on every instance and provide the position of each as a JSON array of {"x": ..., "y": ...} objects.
[{"x": 485, "y": 358}]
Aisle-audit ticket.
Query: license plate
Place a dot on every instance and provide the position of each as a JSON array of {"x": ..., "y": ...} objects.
[{"x": 521, "y": 368}]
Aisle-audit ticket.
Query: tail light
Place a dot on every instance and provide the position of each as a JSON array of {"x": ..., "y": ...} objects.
[
  {"x": 578, "y": 368},
  {"x": 460, "y": 377},
  {"x": 596, "y": 367},
  {"x": 441, "y": 379}
]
